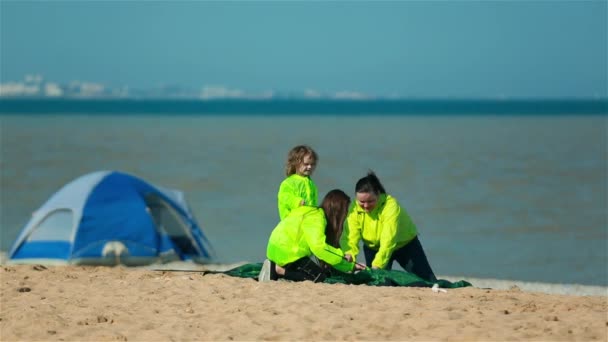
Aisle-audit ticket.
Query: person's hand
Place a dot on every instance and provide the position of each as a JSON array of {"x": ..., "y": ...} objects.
[
  {"x": 348, "y": 257},
  {"x": 359, "y": 267},
  {"x": 375, "y": 268}
]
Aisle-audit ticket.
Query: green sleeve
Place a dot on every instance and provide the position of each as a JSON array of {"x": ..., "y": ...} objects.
[
  {"x": 314, "y": 233},
  {"x": 388, "y": 236},
  {"x": 314, "y": 194},
  {"x": 349, "y": 241},
  {"x": 287, "y": 198}
]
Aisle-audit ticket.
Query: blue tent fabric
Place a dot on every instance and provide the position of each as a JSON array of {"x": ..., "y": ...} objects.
[
  {"x": 122, "y": 214},
  {"x": 110, "y": 217}
]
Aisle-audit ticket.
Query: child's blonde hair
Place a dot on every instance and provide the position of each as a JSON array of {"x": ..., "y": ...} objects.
[{"x": 296, "y": 156}]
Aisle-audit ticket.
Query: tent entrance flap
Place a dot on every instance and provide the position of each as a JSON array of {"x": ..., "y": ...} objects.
[{"x": 170, "y": 223}]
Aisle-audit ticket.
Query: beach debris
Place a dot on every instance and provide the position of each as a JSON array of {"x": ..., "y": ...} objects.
[
  {"x": 515, "y": 288},
  {"x": 39, "y": 267},
  {"x": 436, "y": 289},
  {"x": 102, "y": 319},
  {"x": 24, "y": 289}
]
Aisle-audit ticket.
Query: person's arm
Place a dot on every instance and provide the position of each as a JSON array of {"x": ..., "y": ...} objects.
[
  {"x": 349, "y": 241},
  {"x": 287, "y": 198},
  {"x": 389, "y": 219},
  {"x": 314, "y": 194},
  {"x": 313, "y": 228}
]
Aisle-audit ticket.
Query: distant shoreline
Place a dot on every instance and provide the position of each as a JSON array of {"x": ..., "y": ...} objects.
[{"x": 278, "y": 107}]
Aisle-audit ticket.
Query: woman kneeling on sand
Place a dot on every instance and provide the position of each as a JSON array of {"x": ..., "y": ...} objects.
[
  {"x": 387, "y": 231},
  {"x": 308, "y": 232}
]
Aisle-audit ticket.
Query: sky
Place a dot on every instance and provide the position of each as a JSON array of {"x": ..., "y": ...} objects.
[{"x": 439, "y": 49}]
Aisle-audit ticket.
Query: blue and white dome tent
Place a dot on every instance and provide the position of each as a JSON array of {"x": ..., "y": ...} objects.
[{"x": 109, "y": 218}]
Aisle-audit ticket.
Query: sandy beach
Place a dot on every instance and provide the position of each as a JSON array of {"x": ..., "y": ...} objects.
[{"x": 72, "y": 303}]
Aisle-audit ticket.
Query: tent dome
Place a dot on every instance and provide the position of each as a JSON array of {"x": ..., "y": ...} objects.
[{"x": 110, "y": 217}]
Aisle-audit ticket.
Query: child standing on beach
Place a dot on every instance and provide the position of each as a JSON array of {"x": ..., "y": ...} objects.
[{"x": 298, "y": 189}]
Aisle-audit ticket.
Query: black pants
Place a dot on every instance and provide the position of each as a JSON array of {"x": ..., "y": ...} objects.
[
  {"x": 304, "y": 269},
  {"x": 411, "y": 257}
]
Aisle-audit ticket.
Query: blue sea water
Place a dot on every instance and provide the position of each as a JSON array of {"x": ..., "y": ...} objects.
[{"x": 508, "y": 196}]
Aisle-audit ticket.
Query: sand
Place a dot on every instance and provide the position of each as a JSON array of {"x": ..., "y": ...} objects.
[{"x": 74, "y": 303}]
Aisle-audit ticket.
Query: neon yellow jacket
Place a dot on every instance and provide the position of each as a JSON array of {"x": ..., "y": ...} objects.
[
  {"x": 302, "y": 234},
  {"x": 293, "y": 190},
  {"x": 386, "y": 228}
]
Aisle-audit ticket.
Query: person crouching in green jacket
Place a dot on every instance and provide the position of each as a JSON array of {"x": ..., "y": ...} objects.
[
  {"x": 386, "y": 229},
  {"x": 304, "y": 233}
]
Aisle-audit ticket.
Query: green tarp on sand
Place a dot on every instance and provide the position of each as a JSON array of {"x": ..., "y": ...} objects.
[{"x": 367, "y": 277}]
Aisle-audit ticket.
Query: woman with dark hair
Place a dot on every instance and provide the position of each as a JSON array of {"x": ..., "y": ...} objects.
[
  {"x": 386, "y": 229},
  {"x": 304, "y": 233}
]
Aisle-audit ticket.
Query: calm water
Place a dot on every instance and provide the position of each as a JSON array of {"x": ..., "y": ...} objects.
[{"x": 507, "y": 197}]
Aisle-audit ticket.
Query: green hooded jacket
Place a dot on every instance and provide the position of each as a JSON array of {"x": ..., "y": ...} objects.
[
  {"x": 386, "y": 228},
  {"x": 302, "y": 234},
  {"x": 293, "y": 190}
]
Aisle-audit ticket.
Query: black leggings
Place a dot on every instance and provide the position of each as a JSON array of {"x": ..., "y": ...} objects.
[
  {"x": 304, "y": 269},
  {"x": 411, "y": 257}
]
